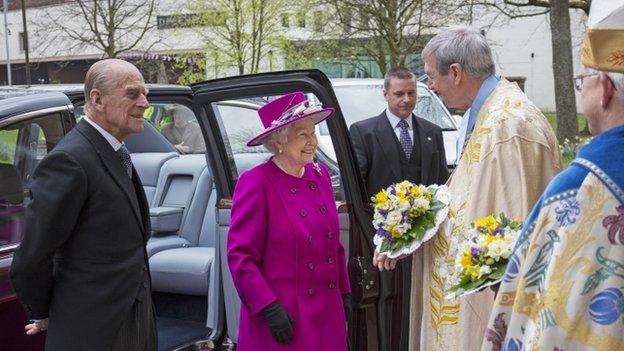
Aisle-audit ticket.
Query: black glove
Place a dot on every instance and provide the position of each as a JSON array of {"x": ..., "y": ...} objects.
[
  {"x": 279, "y": 322},
  {"x": 346, "y": 302}
]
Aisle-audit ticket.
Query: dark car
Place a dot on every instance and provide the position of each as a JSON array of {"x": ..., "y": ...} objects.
[{"x": 190, "y": 201}]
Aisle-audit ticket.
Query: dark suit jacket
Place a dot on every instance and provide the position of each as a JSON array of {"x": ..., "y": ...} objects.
[
  {"x": 375, "y": 141},
  {"x": 83, "y": 257}
]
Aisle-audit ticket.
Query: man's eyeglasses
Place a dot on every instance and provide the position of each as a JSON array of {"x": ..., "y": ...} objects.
[{"x": 578, "y": 80}]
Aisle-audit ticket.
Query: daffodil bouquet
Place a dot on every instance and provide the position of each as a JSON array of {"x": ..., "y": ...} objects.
[
  {"x": 406, "y": 215},
  {"x": 482, "y": 258}
]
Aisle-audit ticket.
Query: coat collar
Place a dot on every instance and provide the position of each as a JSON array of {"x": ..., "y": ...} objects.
[
  {"x": 387, "y": 140},
  {"x": 114, "y": 167}
]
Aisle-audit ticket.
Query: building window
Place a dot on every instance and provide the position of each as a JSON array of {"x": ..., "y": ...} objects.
[
  {"x": 301, "y": 19},
  {"x": 22, "y": 41},
  {"x": 318, "y": 21},
  {"x": 189, "y": 20},
  {"x": 346, "y": 22},
  {"x": 285, "y": 20},
  {"x": 364, "y": 20}
]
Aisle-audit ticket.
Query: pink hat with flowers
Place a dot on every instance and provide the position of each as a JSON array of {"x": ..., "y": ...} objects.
[{"x": 286, "y": 110}]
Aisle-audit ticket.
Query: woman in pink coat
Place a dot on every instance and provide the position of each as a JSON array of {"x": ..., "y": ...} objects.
[{"x": 284, "y": 251}]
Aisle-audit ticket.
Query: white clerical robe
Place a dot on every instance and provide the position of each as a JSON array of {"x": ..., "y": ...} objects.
[{"x": 509, "y": 159}]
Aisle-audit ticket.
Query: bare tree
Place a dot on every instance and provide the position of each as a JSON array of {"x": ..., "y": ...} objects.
[
  {"x": 559, "y": 14},
  {"x": 238, "y": 33},
  {"x": 393, "y": 29},
  {"x": 113, "y": 27}
]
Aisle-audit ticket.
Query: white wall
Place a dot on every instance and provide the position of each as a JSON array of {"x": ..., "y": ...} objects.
[{"x": 522, "y": 47}]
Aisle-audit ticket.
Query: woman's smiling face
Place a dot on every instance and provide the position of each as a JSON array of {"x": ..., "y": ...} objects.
[{"x": 301, "y": 142}]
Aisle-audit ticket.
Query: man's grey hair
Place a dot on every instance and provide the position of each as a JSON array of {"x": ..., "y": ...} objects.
[
  {"x": 278, "y": 136},
  {"x": 464, "y": 45},
  {"x": 102, "y": 76},
  {"x": 617, "y": 78}
]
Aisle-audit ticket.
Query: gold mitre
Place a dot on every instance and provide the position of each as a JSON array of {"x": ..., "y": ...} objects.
[{"x": 603, "y": 48}]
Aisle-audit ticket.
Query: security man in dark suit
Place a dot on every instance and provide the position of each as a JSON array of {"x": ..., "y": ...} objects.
[
  {"x": 397, "y": 146},
  {"x": 81, "y": 271}
]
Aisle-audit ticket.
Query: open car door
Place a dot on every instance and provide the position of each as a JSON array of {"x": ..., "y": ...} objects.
[{"x": 227, "y": 111}]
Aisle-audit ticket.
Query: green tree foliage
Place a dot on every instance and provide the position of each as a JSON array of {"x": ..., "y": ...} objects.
[
  {"x": 238, "y": 33},
  {"x": 389, "y": 30},
  {"x": 113, "y": 27}
]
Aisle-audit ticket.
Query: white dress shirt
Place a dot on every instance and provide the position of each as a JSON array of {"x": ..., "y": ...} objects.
[
  {"x": 114, "y": 143},
  {"x": 394, "y": 122}
]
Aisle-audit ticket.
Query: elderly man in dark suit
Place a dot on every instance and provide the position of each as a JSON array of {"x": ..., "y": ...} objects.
[
  {"x": 397, "y": 146},
  {"x": 81, "y": 271}
]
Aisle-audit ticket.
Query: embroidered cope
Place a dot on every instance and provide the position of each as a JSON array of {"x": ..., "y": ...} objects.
[
  {"x": 509, "y": 158},
  {"x": 564, "y": 285}
]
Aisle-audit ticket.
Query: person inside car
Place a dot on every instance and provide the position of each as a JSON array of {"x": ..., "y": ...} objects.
[
  {"x": 184, "y": 132},
  {"x": 284, "y": 249}
]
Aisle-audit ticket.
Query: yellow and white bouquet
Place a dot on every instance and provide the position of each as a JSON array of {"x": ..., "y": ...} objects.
[
  {"x": 482, "y": 258},
  {"x": 406, "y": 215}
]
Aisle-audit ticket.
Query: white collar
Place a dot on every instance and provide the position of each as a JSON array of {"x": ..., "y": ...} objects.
[
  {"x": 394, "y": 120},
  {"x": 114, "y": 143}
]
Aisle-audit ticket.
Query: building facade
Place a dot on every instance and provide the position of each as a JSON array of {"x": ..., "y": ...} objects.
[{"x": 176, "y": 41}]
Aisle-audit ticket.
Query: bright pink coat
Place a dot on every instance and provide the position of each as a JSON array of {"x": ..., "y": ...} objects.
[{"x": 284, "y": 245}]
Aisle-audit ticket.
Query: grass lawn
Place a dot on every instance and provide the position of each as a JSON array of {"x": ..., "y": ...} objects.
[
  {"x": 568, "y": 148},
  {"x": 552, "y": 119}
]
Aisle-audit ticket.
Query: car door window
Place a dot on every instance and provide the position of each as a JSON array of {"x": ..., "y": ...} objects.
[
  {"x": 429, "y": 107},
  {"x": 238, "y": 122},
  {"x": 178, "y": 124},
  {"x": 22, "y": 146},
  {"x": 362, "y": 101}
]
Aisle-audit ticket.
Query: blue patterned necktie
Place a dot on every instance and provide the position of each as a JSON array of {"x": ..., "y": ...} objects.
[
  {"x": 126, "y": 161},
  {"x": 405, "y": 140}
]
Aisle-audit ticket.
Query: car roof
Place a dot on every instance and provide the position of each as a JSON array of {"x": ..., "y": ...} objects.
[
  {"x": 77, "y": 90},
  {"x": 19, "y": 105},
  {"x": 341, "y": 82}
]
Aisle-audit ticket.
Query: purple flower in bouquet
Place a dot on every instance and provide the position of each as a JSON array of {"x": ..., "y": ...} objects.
[
  {"x": 384, "y": 233},
  {"x": 506, "y": 221},
  {"x": 498, "y": 230},
  {"x": 474, "y": 252}
]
